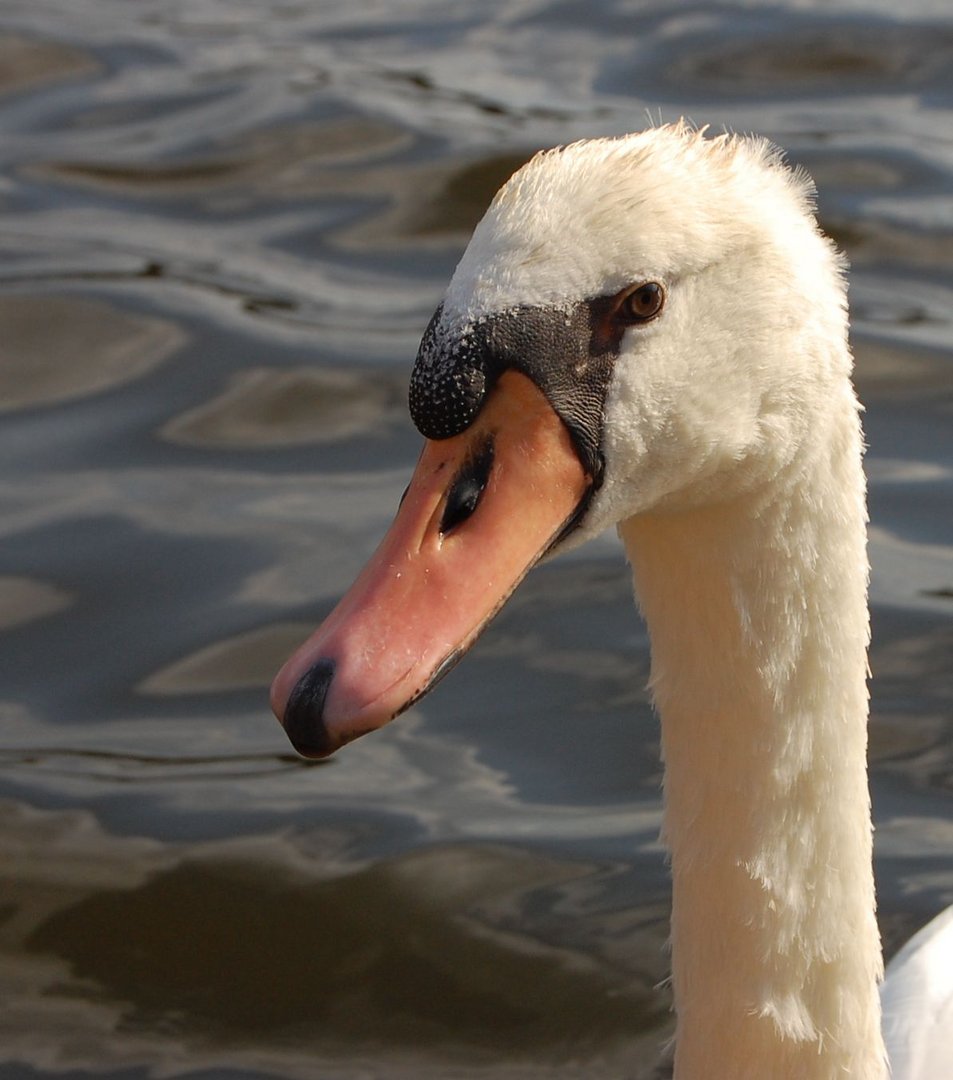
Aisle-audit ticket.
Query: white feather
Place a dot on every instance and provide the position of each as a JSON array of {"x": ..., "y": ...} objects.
[
  {"x": 733, "y": 468},
  {"x": 917, "y": 998}
]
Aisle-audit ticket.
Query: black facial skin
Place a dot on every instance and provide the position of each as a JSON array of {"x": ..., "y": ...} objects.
[{"x": 569, "y": 353}]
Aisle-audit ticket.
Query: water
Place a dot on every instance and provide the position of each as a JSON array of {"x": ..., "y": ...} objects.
[{"x": 224, "y": 227}]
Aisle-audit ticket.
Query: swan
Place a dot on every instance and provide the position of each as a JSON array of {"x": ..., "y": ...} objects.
[{"x": 650, "y": 332}]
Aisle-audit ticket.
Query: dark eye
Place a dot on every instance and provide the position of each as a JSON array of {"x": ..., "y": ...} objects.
[{"x": 644, "y": 302}]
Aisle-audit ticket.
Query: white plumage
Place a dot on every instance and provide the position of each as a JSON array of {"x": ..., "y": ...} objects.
[
  {"x": 917, "y": 998},
  {"x": 732, "y": 453}
]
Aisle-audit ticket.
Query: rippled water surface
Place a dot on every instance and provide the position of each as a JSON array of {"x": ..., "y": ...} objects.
[{"x": 224, "y": 226}]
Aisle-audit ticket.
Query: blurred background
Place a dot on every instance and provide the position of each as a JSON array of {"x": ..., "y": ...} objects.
[{"x": 224, "y": 225}]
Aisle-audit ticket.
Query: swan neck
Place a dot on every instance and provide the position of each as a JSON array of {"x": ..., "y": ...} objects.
[{"x": 757, "y": 612}]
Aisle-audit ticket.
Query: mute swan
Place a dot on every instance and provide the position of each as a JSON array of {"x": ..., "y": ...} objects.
[{"x": 651, "y": 332}]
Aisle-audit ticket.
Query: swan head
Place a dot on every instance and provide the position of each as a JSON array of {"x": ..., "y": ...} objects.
[{"x": 638, "y": 324}]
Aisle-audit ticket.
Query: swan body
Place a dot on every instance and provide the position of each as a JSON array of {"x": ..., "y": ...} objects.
[
  {"x": 917, "y": 998},
  {"x": 651, "y": 332}
]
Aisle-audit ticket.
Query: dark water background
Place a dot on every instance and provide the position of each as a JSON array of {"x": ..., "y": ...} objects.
[{"x": 224, "y": 225}]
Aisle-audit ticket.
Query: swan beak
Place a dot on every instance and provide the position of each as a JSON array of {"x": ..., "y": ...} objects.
[{"x": 481, "y": 509}]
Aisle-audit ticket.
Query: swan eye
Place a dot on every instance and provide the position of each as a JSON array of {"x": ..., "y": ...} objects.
[{"x": 644, "y": 302}]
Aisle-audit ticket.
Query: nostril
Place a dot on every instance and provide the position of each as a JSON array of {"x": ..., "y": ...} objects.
[
  {"x": 303, "y": 720},
  {"x": 461, "y": 502},
  {"x": 467, "y": 488}
]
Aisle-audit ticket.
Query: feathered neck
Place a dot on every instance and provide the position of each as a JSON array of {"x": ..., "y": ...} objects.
[{"x": 757, "y": 612}]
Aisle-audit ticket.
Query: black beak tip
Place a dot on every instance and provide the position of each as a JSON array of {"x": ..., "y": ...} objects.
[{"x": 304, "y": 714}]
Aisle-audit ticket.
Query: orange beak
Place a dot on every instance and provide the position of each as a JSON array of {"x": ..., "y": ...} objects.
[{"x": 481, "y": 509}]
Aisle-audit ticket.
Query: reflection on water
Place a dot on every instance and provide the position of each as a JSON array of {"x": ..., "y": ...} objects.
[
  {"x": 240, "y": 950},
  {"x": 405, "y": 950},
  {"x": 22, "y": 600},
  {"x": 291, "y": 407},
  {"x": 26, "y": 62},
  {"x": 61, "y": 347},
  {"x": 224, "y": 228},
  {"x": 795, "y": 56}
]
